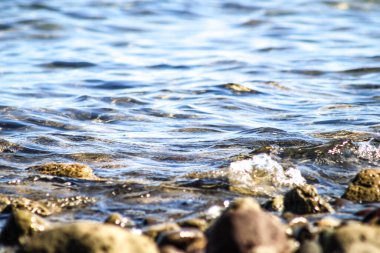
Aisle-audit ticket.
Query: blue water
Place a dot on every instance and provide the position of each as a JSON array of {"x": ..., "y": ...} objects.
[{"x": 141, "y": 91}]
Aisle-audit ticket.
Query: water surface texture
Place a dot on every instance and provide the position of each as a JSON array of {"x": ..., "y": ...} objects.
[{"x": 160, "y": 97}]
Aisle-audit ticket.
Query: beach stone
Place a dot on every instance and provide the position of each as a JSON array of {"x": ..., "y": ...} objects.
[
  {"x": 184, "y": 239},
  {"x": 118, "y": 220},
  {"x": 87, "y": 237},
  {"x": 155, "y": 230},
  {"x": 353, "y": 238},
  {"x": 275, "y": 204},
  {"x": 310, "y": 246},
  {"x": 365, "y": 187},
  {"x": 72, "y": 170},
  {"x": 305, "y": 199},
  {"x": 244, "y": 228},
  {"x": 198, "y": 223},
  {"x": 19, "y": 224}
]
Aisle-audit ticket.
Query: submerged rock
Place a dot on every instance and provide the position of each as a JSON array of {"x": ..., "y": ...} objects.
[
  {"x": 21, "y": 223},
  {"x": 73, "y": 170},
  {"x": 352, "y": 238},
  {"x": 87, "y": 237},
  {"x": 305, "y": 200},
  {"x": 364, "y": 187},
  {"x": 262, "y": 175},
  {"x": 243, "y": 228}
]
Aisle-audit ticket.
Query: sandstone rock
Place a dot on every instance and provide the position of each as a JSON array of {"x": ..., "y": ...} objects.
[
  {"x": 19, "y": 224},
  {"x": 73, "y": 170},
  {"x": 364, "y": 187},
  {"x": 87, "y": 237},
  {"x": 305, "y": 200},
  {"x": 244, "y": 228},
  {"x": 352, "y": 238}
]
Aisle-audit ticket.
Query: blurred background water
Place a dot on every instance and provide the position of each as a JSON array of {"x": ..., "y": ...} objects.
[{"x": 146, "y": 92}]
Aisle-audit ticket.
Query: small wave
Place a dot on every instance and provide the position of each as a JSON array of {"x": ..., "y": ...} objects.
[
  {"x": 262, "y": 175},
  {"x": 68, "y": 64}
]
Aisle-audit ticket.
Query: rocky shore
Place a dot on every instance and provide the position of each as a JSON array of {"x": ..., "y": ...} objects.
[{"x": 298, "y": 221}]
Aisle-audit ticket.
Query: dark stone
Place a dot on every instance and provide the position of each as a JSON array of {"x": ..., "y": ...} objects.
[
  {"x": 243, "y": 228},
  {"x": 305, "y": 200}
]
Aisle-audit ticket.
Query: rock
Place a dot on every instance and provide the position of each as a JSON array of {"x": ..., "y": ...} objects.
[
  {"x": 198, "y": 223},
  {"x": 38, "y": 207},
  {"x": 19, "y": 224},
  {"x": 73, "y": 170},
  {"x": 364, "y": 187},
  {"x": 352, "y": 238},
  {"x": 275, "y": 204},
  {"x": 243, "y": 228},
  {"x": 305, "y": 200},
  {"x": 309, "y": 246},
  {"x": 155, "y": 230},
  {"x": 189, "y": 240},
  {"x": 87, "y": 237},
  {"x": 118, "y": 220}
]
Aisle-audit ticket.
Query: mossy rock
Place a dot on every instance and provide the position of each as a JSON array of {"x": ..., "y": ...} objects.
[
  {"x": 72, "y": 170},
  {"x": 365, "y": 187},
  {"x": 305, "y": 200}
]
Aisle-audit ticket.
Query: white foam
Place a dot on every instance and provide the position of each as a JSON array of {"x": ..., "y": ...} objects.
[{"x": 262, "y": 173}]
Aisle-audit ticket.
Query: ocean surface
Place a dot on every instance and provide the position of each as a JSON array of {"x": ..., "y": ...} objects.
[{"x": 169, "y": 101}]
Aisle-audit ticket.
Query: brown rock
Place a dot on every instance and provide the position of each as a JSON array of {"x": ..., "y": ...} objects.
[
  {"x": 73, "y": 170},
  {"x": 189, "y": 240},
  {"x": 244, "y": 228},
  {"x": 87, "y": 237},
  {"x": 305, "y": 200},
  {"x": 364, "y": 187},
  {"x": 21, "y": 223},
  {"x": 352, "y": 238}
]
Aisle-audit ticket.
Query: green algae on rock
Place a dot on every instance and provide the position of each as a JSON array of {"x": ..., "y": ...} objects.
[
  {"x": 73, "y": 170},
  {"x": 87, "y": 237},
  {"x": 365, "y": 187},
  {"x": 305, "y": 200},
  {"x": 20, "y": 224}
]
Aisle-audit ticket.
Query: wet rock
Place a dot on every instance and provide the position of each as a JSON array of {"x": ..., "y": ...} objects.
[
  {"x": 352, "y": 238},
  {"x": 19, "y": 224},
  {"x": 118, "y": 220},
  {"x": 244, "y": 227},
  {"x": 305, "y": 200},
  {"x": 73, "y": 170},
  {"x": 275, "y": 204},
  {"x": 38, "y": 207},
  {"x": 198, "y": 223},
  {"x": 170, "y": 249},
  {"x": 189, "y": 240},
  {"x": 154, "y": 230},
  {"x": 364, "y": 187},
  {"x": 87, "y": 237}
]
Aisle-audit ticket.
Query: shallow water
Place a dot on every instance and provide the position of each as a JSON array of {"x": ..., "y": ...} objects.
[{"x": 150, "y": 92}]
